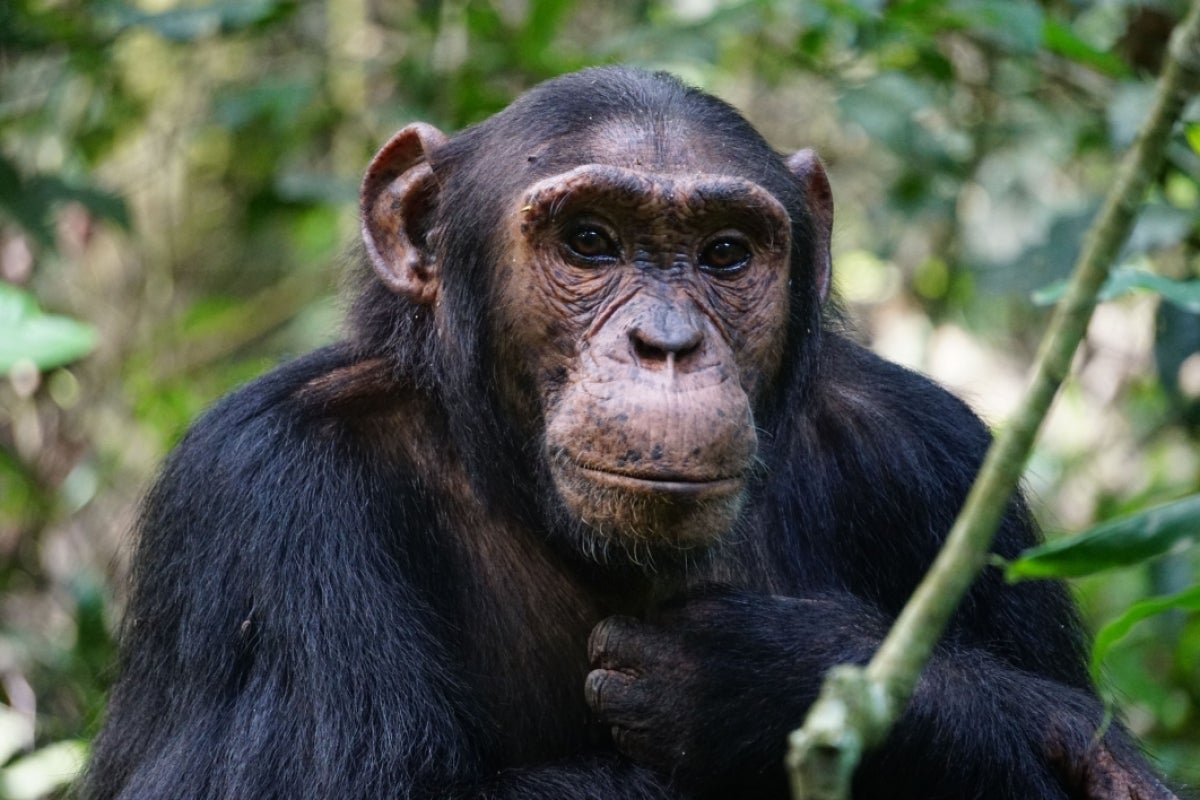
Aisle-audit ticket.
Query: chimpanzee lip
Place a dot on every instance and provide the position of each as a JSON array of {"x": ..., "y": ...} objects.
[{"x": 664, "y": 484}]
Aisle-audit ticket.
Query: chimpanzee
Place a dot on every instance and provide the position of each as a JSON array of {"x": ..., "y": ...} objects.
[{"x": 592, "y": 494}]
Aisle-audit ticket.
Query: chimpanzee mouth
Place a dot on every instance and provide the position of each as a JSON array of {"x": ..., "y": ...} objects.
[{"x": 665, "y": 484}]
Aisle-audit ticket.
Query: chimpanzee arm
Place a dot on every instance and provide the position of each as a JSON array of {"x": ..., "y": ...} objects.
[
  {"x": 710, "y": 689},
  {"x": 276, "y": 644},
  {"x": 272, "y": 647}
]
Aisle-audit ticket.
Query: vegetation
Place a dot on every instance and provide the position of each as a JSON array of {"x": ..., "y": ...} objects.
[
  {"x": 177, "y": 185},
  {"x": 874, "y": 696}
]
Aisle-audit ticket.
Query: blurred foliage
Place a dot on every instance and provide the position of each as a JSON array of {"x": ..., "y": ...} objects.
[
  {"x": 43, "y": 340},
  {"x": 180, "y": 177}
]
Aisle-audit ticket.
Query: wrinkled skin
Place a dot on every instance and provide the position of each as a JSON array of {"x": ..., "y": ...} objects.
[
  {"x": 656, "y": 345},
  {"x": 644, "y": 360}
]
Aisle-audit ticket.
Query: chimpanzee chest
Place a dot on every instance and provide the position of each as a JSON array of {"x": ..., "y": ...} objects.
[{"x": 532, "y": 691}]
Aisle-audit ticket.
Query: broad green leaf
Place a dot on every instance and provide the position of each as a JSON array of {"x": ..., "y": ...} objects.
[
  {"x": 15, "y": 305},
  {"x": 1117, "y": 543},
  {"x": 1184, "y": 294},
  {"x": 1110, "y": 634},
  {"x": 1059, "y": 38},
  {"x": 26, "y": 333},
  {"x": 1192, "y": 132}
]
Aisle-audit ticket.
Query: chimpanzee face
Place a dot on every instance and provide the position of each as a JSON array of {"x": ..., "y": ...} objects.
[
  {"x": 637, "y": 310},
  {"x": 651, "y": 309}
]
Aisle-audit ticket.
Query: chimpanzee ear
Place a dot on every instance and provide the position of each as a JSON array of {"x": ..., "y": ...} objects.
[
  {"x": 807, "y": 168},
  {"x": 398, "y": 195}
]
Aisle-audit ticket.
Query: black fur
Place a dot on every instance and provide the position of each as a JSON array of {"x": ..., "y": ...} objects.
[{"x": 318, "y": 612}]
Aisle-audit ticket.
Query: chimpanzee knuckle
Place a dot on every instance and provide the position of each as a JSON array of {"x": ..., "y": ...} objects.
[
  {"x": 610, "y": 694},
  {"x": 613, "y": 640}
]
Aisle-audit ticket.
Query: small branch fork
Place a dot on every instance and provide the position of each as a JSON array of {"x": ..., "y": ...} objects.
[{"x": 858, "y": 706}]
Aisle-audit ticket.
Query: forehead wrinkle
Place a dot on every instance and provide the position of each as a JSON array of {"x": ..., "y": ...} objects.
[
  {"x": 659, "y": 144},
  {"x": 553, "y": 193}
]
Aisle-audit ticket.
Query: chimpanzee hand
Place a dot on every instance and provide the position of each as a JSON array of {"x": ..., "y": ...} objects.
[{"x": 708, "y": 689}]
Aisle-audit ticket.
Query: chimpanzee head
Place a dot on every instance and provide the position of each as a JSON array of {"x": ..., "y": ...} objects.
[{"x": 615, "y": 281}]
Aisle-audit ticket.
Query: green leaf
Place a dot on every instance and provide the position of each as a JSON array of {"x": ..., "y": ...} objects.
[
  {"x": 1050, "y": 294},
  {"x": 1060, "y": 39},
  {"x": 15, "y": 305},
  {"x": 46, "y": 340},
  {"x": 1184, "y": 294},
  {"x": 1110, "y": 634},
  {"x": 1117, "y": 543}
]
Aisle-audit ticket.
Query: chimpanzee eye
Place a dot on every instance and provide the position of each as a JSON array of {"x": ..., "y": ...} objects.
[
  {"x": 590, "y": 243},
  {"x": 725, "y": 256}
]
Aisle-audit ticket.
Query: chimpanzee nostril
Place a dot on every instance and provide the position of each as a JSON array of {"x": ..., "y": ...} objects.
[{"x": 656, "y": 348}]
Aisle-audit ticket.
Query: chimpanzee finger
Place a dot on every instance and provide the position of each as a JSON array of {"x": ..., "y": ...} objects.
[
  {"x": 612, "y": 644},
  {"x": 612, "y": 695}
]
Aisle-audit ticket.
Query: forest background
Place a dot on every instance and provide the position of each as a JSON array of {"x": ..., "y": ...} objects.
[{"x": 177, "y": 195}]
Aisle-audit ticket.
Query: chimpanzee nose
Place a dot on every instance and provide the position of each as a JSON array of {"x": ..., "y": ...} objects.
[{"x": 668, "y": 338}]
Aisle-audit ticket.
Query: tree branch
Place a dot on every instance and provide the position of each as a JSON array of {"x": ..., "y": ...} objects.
[{"x": 858, "y": 706}]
